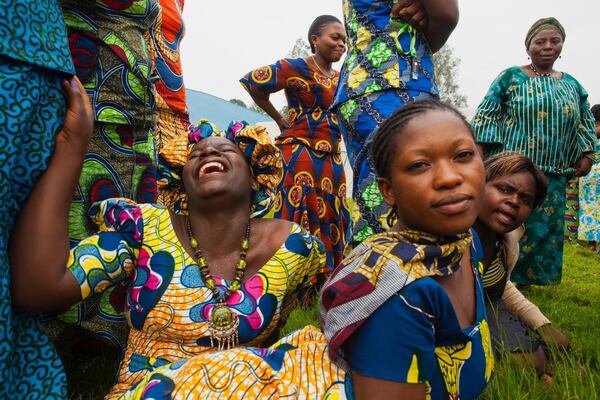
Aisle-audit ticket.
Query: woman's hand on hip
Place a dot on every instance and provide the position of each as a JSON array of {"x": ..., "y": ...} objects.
[
  {"x": 282, "y": 123},
  {"x": 583, "y": 166}
]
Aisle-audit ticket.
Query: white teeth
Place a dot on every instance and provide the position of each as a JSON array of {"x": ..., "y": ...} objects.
[{"x": 211, "y": 164}]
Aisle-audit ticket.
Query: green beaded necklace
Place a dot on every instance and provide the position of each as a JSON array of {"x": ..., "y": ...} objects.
[{"x": 222, "y": 322}]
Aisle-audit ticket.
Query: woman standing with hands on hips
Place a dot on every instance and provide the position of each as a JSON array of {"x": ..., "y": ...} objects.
[
  {"x": 313, "y": 190},
  {"x": 543, "y": 114}
]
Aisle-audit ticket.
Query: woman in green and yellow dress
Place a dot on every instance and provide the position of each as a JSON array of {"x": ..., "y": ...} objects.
[{"x": 543, "y": 114}]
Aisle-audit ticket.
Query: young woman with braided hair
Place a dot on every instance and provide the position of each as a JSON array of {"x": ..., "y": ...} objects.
[{"x": 404, "y": 313}]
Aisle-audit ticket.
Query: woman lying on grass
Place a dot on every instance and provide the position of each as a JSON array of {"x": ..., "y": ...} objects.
[{"x": 514, "y": 188}]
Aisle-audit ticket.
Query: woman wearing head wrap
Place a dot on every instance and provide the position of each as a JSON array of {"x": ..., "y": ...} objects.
[
  {"x": 213, "y": 276},
  {"x": 543, "y": 114}
]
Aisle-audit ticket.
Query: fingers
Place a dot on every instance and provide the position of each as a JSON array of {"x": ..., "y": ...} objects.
[
  {"x": 419, "y": 20},
  {"x": 410, "y": 12},
  {"x": 74, "y": 95},
  {"x": 77, "y": 98},
  {"x": 400, "y": 5}
]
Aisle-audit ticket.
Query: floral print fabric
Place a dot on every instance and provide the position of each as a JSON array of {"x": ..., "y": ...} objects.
[
  {"x": 589, "y": 206},
  {"x": 541, "y": 257}
]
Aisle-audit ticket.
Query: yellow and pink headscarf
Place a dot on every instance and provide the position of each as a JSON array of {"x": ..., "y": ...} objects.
[{"x": 254, "y": 142}]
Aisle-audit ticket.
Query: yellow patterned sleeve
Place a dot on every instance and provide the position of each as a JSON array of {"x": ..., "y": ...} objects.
[{"x": 109, "y": 256}]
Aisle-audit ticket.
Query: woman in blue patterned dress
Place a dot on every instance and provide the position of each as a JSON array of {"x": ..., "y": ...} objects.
[
  {"x": 34, "y": 58},
  {"x": 404, "y": 312},
  {"x": 388, "y": 65},
  {"x": 543, "y": 114}
]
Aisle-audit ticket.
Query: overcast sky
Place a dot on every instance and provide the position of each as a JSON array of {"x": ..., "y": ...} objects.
[{"x": 227, "y": 38}]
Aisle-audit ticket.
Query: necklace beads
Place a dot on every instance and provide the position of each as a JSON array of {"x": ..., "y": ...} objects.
[
  {"x": 222, "y": 321},
  {"x": 538, "y": 73}
]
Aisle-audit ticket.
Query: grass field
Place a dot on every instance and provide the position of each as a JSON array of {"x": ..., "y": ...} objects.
[{"x": 573, "y": 307}]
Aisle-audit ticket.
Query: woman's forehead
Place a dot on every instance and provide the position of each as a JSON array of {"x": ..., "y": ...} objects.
[
  {"x": 548, "y": 32},
  {"x": 213, "y": 141}
]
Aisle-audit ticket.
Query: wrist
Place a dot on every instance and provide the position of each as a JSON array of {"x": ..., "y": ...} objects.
[{"x": 590, "y": 156}]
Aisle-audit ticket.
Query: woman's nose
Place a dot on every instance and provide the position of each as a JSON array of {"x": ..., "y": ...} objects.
[{"x": 447, "y": 176}]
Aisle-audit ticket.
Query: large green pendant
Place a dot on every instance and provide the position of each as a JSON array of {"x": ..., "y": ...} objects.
[{"x": 222, "y": 327}]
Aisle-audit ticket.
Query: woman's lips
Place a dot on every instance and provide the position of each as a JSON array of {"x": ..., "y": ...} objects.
[
  {"x": 505, "y": 218},
  {"x": 454, "y": 204}
]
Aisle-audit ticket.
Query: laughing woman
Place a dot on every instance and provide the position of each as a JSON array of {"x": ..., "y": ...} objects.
[
  {"x": 217, "y": 277},
  {"x": 543, "y": 114},
  {"x": 313, "y": 190}
]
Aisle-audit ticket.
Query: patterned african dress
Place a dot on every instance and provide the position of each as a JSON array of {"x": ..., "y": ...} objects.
[
  {"x": 572, "y": 210},
  {"x": 589, "y": 205},
  {"x": 549, "y": 121},
  {"x": 168, "y": 304},
  {"x": 112, "y": 60},
  {"x": 313, "y": 190},
  {"x": 34, "y": 58},
  {"x": 173, "y": 117},
  {"x": 413, "y": 335},
  {"x": 388, "y": 65}
]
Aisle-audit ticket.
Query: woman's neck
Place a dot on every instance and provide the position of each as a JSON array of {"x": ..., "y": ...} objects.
[
  {"x": 219, "y": 232},
  {"x": 488, "y": 239},
  {"x": 543, "y": 69},
  {"x": 324, "y": 65}
]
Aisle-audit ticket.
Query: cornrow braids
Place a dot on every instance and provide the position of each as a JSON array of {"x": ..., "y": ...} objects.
[
  {"x": 510, "y": 163},
  {"x": 317, "y": 27},
  {"x": 382, "y": 148}
]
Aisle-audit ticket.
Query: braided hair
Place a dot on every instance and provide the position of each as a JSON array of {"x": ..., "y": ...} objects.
[
  {"x": 383, "y": 147},
  {"x": 317, "y": 27}
]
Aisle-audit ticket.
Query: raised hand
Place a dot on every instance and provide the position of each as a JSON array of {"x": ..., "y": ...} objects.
[
  {"x": 79, "y": 118},
  {"x": 411, "y": 12}
]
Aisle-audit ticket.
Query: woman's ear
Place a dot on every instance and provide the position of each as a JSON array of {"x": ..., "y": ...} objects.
[
  {"x": 386, "y": 192},
  {"x": 254, "y": 185}
]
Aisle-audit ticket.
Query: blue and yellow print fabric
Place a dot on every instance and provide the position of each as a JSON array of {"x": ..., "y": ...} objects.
[{"x": 167, "y": 303}]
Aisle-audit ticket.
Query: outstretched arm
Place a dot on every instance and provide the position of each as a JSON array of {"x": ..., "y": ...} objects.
[
  {"x": 435, "y": 18},
  {"x": 40, "y": 243}
]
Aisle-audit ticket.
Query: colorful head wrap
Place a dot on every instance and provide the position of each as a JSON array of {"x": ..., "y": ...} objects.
[
  {"x": 543, "y": 24},
  {"x": 254, "y": 142}
]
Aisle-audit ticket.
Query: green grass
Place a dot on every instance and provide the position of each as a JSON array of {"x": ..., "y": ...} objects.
[{"x": 573, "y": 307}]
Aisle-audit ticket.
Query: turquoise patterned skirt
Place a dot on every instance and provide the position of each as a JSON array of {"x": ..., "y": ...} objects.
[{"x": 541, "y": 258}]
